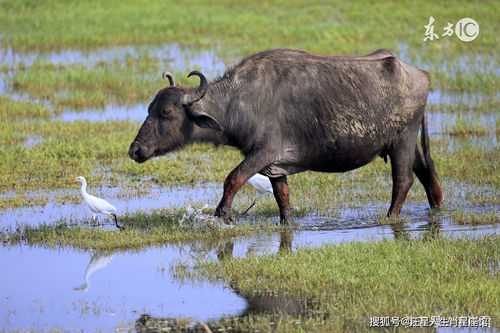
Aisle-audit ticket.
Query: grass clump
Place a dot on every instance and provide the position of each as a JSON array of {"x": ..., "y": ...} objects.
[
  {"x": 78, "y": 86},
  {"x": 474, "y": 218},
  {"x": 353, "y": 281},
  {"x": 140, "y": 230},
  {"x": 464, "y": 126},
  {"x": 14, "y": 110}
]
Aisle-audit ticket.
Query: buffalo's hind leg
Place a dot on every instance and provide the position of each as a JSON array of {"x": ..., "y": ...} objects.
[
  {"x": 428, "y": 177},
  {"x": 282, "y": 194},
  {"x": 402, "y": 155}
]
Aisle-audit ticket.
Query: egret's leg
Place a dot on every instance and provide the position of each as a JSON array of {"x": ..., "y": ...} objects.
[
  {"x": 116, "y": 221},
  {"x": 253, "y": 204}
]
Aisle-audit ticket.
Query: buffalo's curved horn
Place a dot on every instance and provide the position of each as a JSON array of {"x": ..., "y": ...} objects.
[
  {"x": 189, "y": 99},
  {"x": 169, "y": 76}
]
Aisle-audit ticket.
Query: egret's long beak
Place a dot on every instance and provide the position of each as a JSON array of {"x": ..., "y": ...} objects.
[{"x": 76, "y": 179}]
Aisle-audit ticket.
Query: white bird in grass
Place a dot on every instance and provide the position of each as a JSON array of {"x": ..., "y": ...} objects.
[
  {"x": 97, "y": 205},
  {"x": 262, "y": 185}
]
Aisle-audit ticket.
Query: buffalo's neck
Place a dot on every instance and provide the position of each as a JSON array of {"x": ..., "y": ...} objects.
[
  {"x": 214, "y": 103},
  {"x": 208, "y": 135}
]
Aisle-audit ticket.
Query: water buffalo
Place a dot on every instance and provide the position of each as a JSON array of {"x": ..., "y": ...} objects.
[{"x": 290, "y": 111}]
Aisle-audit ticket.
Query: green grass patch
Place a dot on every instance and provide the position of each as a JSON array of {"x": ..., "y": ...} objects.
[
  {"x": 353, "y": 281},
  {"x": 140, "y": 230},
  {"x": 473, "y": 218},
  {"x": 12, "y": 110},
  {"x": 333, "y": 27},
  {"x": 470, "y": 164},
  {"x": 78, "y": 86},
  {"x": 234, "y": 29},
  {"x": 465, "y": 126}
]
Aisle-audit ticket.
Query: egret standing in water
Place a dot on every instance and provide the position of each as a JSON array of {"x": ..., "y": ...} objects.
[
  {"x": 262, "y": 185},
  {"x": 97, "y": 205}
]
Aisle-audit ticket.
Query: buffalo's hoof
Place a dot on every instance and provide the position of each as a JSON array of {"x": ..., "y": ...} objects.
[
  {"x": 287, "y": 219},
  {"x": 224, "y": 214}
]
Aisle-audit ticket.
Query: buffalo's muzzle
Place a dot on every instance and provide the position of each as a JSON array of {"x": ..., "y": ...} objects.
[{"x": 137, "y": 152}]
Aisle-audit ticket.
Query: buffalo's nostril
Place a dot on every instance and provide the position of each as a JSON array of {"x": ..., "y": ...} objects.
[{"x": 134, "y": 148}]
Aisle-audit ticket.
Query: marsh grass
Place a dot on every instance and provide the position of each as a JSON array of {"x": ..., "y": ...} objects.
[
  {"x": 233, "y": 29},
  {"x": 14, "y": 110},
  {"x": 335, "y": 26},
  {"x": 465, "y": 126},
  {"x": 141, "y": 230},
  {"x": 351, "y": 282},
  {"x": 474, "y": 218},
  {"x": 78, "y": 87}
]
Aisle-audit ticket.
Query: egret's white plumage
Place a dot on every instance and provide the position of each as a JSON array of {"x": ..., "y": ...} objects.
[
  {"x": 262, "y": 185},
  {"x": 97, "y": 205}
]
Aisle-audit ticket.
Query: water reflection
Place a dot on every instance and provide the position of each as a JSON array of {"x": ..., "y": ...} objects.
[
  {"x": 39, "y": 294},
  {"x": 429, "y": 230},
  {"x": 98, "y": 260},
  {"x": 147, "y": 289}
]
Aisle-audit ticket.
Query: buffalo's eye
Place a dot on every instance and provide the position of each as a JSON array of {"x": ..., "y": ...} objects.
[{"x": 165, "y": 112}]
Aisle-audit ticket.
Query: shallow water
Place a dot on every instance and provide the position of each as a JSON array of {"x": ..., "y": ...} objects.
[
  {"x": 45, "y": 289},
  {"x": 42, "y": 290},
  {"x": 175, "y": 57},
  {"x": 125, "y": 200},
  {"x": 137, "y": 112}
]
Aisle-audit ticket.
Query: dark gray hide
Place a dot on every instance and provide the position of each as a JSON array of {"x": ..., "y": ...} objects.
[{"x": 289, "y": 111}]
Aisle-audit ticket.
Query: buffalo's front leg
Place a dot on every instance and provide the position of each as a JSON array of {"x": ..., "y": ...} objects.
[
  {"x": 282, "y": 194},
  {"x": 233, "y": 183}
]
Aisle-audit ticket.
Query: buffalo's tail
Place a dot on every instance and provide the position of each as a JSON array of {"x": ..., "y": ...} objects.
[{"x": 425, "y": 169}]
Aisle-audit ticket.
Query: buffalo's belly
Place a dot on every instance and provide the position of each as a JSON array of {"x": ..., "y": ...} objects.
[
  {"x": 329, "y": 159},
  {"x": 339, "y": 165}
]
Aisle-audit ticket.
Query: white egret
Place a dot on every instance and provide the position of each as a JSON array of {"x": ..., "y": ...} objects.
[
  {"x": 97, "y": 205},
  {"x": 262, "y": 185}
]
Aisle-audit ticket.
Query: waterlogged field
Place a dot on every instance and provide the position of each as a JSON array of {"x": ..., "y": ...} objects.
[{"x": 75, "y": 83}]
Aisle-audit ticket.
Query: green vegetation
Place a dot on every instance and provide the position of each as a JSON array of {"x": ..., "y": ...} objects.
[
  {"x": 140, "y": 230},
  {"x": 471, "y": 218},
  {"x": 234, "y": 29},
  {"x": 11, "y": 110},
  {"x": 332, "y": 27},
  {"x": 348, "y": 283},
  {"x": 464, "y": 126}
]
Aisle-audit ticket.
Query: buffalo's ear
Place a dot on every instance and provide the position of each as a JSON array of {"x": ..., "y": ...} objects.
[{"x": 204, "y": 120}]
